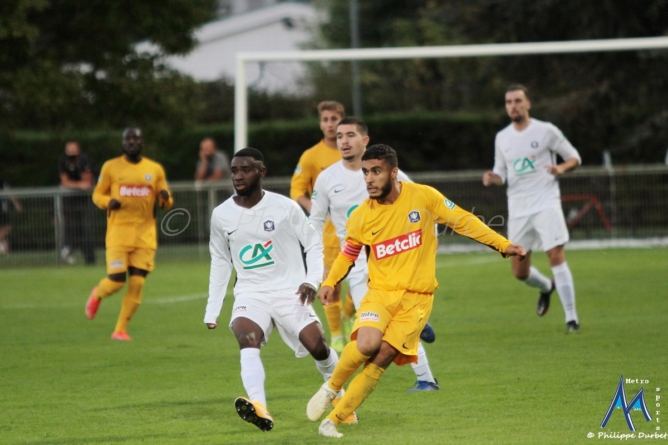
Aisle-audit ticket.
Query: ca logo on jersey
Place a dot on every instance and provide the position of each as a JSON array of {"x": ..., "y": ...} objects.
[
  {"x": 524, "y": 166},
  {"x": 255, "y": 256}
]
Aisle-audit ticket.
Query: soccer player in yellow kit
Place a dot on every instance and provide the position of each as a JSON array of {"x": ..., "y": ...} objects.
[
  {"x": 128, "y": 189},
  {"x": 396, "y": 225},
  {"x": 311, "y": 163}
]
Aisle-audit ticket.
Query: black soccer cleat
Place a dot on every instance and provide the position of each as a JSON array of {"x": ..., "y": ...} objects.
[
  {"x": 428, "y": 335},
  {"x": 544, "y": 301},
  {"x": 572, "y": 326},
  {"x": 255, "y": 413}
]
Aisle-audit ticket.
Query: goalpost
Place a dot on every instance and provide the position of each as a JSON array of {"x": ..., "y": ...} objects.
[{"x": 424, "y": 52}]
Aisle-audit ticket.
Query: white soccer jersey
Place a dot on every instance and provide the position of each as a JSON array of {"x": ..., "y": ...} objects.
[
  {"x": 338, "y": 191},
  {"x": 263, "y": 245},
  {"x": 521, "y": 157}
]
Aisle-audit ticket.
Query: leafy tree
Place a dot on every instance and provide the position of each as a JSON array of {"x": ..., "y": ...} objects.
[
  {"x": 601, "y": 100},
  {"x": 72, "y": 64}
]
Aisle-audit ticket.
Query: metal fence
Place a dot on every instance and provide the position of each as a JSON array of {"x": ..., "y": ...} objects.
[{"x": 60, "y": 227}]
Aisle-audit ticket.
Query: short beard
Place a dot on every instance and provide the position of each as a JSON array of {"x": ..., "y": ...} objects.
[
  {"x": 248, "y": 190},
  {"x": 385, "y": 190}
]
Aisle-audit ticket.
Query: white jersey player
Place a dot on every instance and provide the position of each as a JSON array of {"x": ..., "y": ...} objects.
[
  {"x": 338, "y": 191},
  {"x": 525, "y": 158},
  {"x": 258, "y": 234}
]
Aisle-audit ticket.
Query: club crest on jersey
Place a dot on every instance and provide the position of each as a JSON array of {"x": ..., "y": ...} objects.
[
  {"x": 255, "y": 256},
  {"x": 268, "y": 226},
  {"x": 398, "y": 245},
  {"x": 414, "y": 216},
  {"x": 148, "y": 177},
  {"x": 534, "y": 144}
]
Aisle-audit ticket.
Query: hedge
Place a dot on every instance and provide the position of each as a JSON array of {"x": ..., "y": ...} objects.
[{"x": 424, "y": 141}]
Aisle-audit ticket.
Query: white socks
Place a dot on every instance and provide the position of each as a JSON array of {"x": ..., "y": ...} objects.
[
  {"x": 421, "y": 368},
  {"x": 537, "y": 279},
  {"x": 252, "y": 374},
  {"x": 564, "y": 283},
  {"x": 326, "y": 367}
]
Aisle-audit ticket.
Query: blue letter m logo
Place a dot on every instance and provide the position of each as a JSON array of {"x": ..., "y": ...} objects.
[{"x": 619, "y": 401}]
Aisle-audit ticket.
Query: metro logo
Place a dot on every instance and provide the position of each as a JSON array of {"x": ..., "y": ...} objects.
[
  {"x": 400, "y": 244},
  {"x": 135, "y": 191}
]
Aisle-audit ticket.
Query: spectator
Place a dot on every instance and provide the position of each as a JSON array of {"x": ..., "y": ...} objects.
[
  {"x": 5, "y": 222},
  {"x": 213, "y": 164},
  {"x": 76, "y": 173}
]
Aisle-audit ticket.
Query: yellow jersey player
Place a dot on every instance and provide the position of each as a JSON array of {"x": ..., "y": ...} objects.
[
  {"x": 396, "y": 226},
  {"x": 311, "y": 163},
  {"x": 128, "y": 189}
]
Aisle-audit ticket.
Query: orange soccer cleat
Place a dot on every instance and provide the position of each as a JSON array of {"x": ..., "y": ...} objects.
[
  {"x": 123, "y": 336},
  {"x": 92, "y": 304}
]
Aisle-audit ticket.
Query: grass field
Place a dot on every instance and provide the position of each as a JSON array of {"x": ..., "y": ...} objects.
[{"x": 507, "y": 376}]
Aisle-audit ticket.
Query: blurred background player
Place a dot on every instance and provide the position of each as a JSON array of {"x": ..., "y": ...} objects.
[
  {"x": 525, "y": 155},
  {"x": 77, "y": 173},
  {"x": 128, "y": 189},
  {"x": 311, "y": 163},
  {"x": 396, "y": 226},
  {"x": 260, "y": 235},
  {"x": 213, "y": 164},
  {"x": 338, "y": 191},
  {"x": 6, "y": 205}
]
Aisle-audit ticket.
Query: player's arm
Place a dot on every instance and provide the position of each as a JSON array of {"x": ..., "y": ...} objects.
[
  {"x": 567, "y": 152},
  {"x": 320, "y": 205},
  {"x": 301, "y": 183},
  {"x": 165, "y": 198},
  {"x": 310, "y": 240},
  {"x": 102, "y": 192},
  {"x": 467, "y": 224},
  {"x": 496, "y": 176},
  {"x": 221, "y": 271}
]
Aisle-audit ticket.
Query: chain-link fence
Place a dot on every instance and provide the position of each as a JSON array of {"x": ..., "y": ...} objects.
[{"x": 52, "y": 226}]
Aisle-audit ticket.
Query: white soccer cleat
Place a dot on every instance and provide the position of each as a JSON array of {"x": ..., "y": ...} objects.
[
  {"x": 328, "y": 429},
  {"x": 319, "y": 402}
]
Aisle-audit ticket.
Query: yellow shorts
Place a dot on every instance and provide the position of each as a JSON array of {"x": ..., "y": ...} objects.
[
  {"x": 400, "y": 315},
  {"x": 119, "y": 258},
  {"x": 331, "y": 245}
]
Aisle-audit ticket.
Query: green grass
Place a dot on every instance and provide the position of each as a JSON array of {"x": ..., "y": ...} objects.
[{"x": 507, "y": 376}]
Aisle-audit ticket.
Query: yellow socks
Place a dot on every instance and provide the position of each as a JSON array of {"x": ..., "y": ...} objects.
[
  {"x": 351, "y": 359},
  {"x": 359, "y": 389},
  {"x": 131, "y": 302},
  {"x": 333, "y": 314},
  {"x": 106, "y": 287},
  {"x": 349, "y": 306}
]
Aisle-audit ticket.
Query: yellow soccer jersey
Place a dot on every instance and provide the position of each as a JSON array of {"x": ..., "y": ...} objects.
[
  {"x": 136, "y": 186},
  {"x": 402, "y": 241},
  {"x": 311, "y": 163}
]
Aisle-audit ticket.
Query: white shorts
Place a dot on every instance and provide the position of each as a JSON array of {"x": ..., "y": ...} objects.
[
  {"x": 357, "y": 281},
  {"x": 541, "y": 231},
  {"x": 282, "y": 310}
]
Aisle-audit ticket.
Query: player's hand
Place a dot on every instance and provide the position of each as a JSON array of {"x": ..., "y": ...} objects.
[
  {"x": 516, "y": 250},
  {"x": 326, "y": 295},
  {"x": 306, "y": 294},
  {"x": 554, "y": 170},
  {"x": 488, "y": 178},
  {"x": 211, "y": 325},
  {"x": 164, "y": 194},
  {"x": 114, "y": 204}
]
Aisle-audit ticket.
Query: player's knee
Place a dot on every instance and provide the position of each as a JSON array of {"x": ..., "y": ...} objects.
[
  {"x": 520, "y": 275},
  {"x": 248, "y": 340},
  {"x": 367, "y": 347},
  {"x": 320, "y": 351}
]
